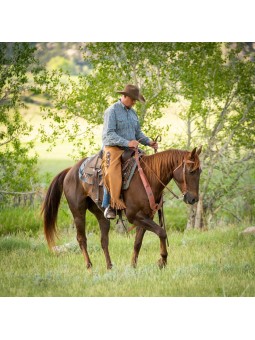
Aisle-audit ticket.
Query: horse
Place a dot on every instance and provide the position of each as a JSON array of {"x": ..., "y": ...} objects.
[{"x": 181, "y": 165}]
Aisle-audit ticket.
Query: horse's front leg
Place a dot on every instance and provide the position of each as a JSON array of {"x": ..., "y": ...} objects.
[
  {"x": 137, "y": 245},
  {"x": 148, "y": 224},
  {"x": 162, "y": 262}
]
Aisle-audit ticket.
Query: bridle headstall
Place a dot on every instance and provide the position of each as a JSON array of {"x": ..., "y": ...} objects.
[
  {"x": 184, "y": 163},
  {"x": 147, "y": 185}
]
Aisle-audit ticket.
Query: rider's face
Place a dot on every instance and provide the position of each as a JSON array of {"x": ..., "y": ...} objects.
[{"x": 128, "y": 101}]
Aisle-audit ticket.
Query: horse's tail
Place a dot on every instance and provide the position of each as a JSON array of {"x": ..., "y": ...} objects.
[{"x": 51, "y": 205}]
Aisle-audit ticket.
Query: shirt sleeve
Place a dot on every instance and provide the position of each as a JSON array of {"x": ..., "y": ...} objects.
[
  {"x": 110, "y": 137},
  {"x": 140, "y": 136}
]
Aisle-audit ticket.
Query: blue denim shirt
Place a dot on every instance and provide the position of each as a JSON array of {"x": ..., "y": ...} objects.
[{"x": 121, "y": 125}]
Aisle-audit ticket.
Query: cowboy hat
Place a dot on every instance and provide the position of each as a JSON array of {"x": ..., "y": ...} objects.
[{"x": 133, "y": 92}]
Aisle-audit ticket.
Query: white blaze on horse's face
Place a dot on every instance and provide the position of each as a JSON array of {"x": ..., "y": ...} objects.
[{"x": 187, "y": 175}]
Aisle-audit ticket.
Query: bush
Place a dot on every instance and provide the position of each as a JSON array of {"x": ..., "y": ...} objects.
[
  {"x": 20, "y": 219},
  {"x": 175, "y": 215},
  {"x": 28, "y": 220}
]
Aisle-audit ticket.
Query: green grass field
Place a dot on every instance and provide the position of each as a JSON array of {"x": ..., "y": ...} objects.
[{"x": 213, "y": 263}]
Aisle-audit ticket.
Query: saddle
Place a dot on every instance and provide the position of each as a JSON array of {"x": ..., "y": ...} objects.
[{"x": 90, "y": 172}]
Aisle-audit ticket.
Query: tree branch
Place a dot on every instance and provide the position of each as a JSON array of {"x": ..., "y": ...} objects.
[{"x": 8, "y": 141}]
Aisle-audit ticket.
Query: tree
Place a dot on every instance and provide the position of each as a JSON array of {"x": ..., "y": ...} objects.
[
  {"x": 220, "y": 89},
  {"x": 20, "y": 76},
  {"x": 83, "y": 102},
  {"x": 215, "y": 80}
]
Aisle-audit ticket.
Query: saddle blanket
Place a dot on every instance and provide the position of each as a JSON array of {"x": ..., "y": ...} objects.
[{"x": 88, "y": 174}]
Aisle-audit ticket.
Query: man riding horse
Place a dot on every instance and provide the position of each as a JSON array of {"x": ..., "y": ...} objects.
[{"x": 121, "y": 131}]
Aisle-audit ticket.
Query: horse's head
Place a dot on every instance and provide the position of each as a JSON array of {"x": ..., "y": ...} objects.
[{"x": 187, "y": 175}]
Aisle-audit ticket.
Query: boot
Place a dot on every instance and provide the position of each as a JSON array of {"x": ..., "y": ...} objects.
[{"x": 110, "y": 213}]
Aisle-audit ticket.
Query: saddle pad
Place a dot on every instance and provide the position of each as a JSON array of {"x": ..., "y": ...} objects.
[
  {"x": 128, "y": 170},
  {"x": 87, "y": 174}
]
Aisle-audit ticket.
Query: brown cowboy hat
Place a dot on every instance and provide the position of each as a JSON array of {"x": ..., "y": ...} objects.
[{"x": 133, "y": 92}]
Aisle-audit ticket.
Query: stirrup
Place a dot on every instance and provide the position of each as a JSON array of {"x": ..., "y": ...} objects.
[{"x": 110, "y": 213}]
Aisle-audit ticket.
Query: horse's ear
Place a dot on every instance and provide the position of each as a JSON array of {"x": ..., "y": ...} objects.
[
  {"x": 199, "y": 150},
  {"x": 192, "y": 155}
]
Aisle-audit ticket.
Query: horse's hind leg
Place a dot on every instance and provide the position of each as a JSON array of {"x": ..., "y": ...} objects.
[
  {"x": 80, "y": 221},
  {"x": 79, "y": 215},
  {"x": 104, "y": 228},
  {"x": 137, "y": 245}
]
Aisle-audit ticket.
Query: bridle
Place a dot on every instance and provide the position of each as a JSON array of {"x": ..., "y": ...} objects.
[
  {"x": 184, "y": 178},
  {"x": 184, "y": 163},
  {"x": 184, "y": 189}
]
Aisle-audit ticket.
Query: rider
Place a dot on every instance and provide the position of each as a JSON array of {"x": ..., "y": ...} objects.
[{"x": 121, "y": 131}]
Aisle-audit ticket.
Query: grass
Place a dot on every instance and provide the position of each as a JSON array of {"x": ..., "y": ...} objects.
[
  {"x": 19, "y": 219},
  {"x": 213, "y": 263},
  {"x": 218, "y": 262},
  {"x": 51, "y": 167}
]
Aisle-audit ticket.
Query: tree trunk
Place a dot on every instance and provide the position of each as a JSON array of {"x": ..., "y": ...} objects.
[
  {"x": 191, "y": 217},
  {"x": 196, "y": 215},
  {"x": 199, "y": 219}
]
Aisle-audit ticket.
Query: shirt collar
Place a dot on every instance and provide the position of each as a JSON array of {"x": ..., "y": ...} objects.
[{"x": 124, "y": 107}]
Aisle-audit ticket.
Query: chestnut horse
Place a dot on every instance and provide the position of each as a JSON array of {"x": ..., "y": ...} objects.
[{"x": 159, "y": 168}]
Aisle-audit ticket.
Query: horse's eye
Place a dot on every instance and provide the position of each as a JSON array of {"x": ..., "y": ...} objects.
[{"x": 193, "y": 171}]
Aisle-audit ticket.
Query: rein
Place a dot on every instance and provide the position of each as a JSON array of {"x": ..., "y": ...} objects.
[
  {"x": 153, "y": 205},
  {"x": 157, "y": 139},
  {"x": 165, "y": 187}
]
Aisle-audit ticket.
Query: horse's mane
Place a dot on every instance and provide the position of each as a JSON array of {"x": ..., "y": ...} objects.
[{"x": 163, "y": 163}]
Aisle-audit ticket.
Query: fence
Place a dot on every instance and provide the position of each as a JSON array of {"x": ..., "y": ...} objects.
[{"x": 17, "y": 199}]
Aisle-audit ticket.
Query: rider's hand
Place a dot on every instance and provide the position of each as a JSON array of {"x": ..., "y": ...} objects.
[
  {"x": 154, "y": 145},
  {"x": 133, "y": 144}
]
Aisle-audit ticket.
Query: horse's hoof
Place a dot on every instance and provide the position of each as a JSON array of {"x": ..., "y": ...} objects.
[
  {"x": 134, "y": 263},
  {"x": 162, "y": 263},
  {"x": 109, "y": 266},
  {"x": 89, "y": 266}
]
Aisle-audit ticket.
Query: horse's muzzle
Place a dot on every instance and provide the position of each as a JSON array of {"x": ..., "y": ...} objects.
[{"x": 190, "y": 199}]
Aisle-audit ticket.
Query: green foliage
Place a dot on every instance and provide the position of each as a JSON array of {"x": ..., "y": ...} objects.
[
  {"x": 69, "y": 52},
  {"x": 215, "y": 81},
  {"x": 61, "y": 63},
  {"x": 114, "y": 65},
  {"x": 21, "y": 77},
  {"x": 218, "y": 86},
  {"x": 17, "y": 168}
]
